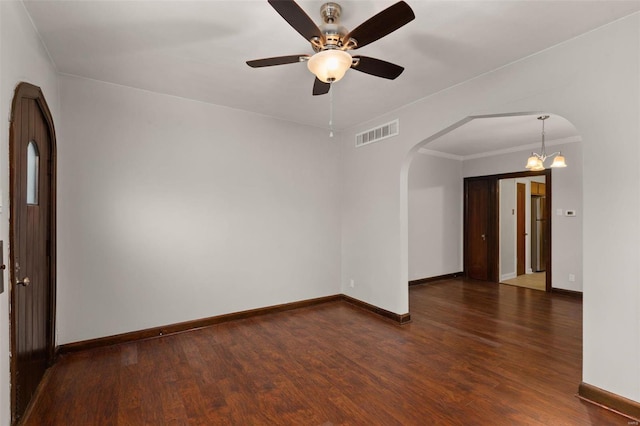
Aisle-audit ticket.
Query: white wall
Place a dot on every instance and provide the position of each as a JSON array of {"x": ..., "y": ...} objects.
[
  {"x": 172, "y": 210},
  {"x": 22, "y": 58},
  {"x": 566, "y": 232},
  {"x": 507, "y": 226},
  {"x": 435, "y": 216},
  {"x": 594, "y": 82}
]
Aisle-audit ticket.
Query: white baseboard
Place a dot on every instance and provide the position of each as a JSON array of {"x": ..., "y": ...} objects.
[{"x": 509, "y": 276}]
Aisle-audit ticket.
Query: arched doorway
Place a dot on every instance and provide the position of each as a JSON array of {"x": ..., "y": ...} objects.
[{"x": 444, "y": 233}]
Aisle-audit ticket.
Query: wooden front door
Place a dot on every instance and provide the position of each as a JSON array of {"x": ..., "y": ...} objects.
[
  {"x": 478, "y": 229},
  {"x": 521, "y": 232},
  {"x": 32, "y": 243}
]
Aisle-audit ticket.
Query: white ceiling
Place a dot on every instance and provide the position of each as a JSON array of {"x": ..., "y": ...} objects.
[{"x": 198, "y": 49}]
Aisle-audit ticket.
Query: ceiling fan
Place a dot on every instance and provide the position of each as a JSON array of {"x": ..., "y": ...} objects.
[{"x": 331, "y": 41}]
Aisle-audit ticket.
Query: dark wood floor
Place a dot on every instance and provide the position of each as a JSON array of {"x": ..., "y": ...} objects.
[{"x": 475, "y": 354}]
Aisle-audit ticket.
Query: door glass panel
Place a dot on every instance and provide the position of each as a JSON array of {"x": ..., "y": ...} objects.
[{"x": 33, "y": 166}]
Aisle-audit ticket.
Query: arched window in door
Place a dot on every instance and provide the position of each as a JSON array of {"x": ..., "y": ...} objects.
[{"x": 33, "y": 166}]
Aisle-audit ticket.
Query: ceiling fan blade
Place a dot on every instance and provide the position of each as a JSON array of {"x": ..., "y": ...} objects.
[
  {"x": 297, "y": 18},
  {"x": 377, "y": 67},
  {"x": 381, "y": 24},
  {"x": 320, "y": 87},
  {"x": 277, "y": 60}
]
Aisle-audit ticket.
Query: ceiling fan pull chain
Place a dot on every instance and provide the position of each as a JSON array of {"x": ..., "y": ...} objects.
[{"x": 330, "y": 112}]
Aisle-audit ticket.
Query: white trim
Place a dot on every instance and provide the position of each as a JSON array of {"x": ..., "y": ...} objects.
[
  {"x": 570, "y": 139},
  {"x": 440, "y": 154},
  {"x": 508, "y": 276},
  {"x": 521, "y": 148}
]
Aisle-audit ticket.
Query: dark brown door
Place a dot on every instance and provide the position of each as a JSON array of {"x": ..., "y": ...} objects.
[
  {"x": 478, "y": 232},
  {"x": 521, "y": 232},
  {"x": 32, "y": 291}
]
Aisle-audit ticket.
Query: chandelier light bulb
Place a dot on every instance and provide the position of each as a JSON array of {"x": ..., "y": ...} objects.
[{"x": 559, "y": 161}]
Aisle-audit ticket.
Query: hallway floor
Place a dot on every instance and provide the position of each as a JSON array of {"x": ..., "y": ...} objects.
[{"x": 536, "y": 281}]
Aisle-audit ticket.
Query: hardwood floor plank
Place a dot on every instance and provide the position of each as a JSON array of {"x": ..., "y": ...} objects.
[{"x": 475, "y": 353}]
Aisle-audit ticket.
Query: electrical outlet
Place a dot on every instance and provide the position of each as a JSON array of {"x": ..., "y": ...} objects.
[
  {"x": 352, "y": 283},
  {"x": 572, "y": 278}
]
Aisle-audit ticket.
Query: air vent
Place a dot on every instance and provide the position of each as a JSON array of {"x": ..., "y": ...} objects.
[{"x": 379, "y": 133}]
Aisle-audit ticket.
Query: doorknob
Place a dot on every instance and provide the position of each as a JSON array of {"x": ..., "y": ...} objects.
[{"x": 25, "y": 282}]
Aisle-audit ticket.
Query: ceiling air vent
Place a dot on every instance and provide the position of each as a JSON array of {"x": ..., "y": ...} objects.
[{"x": 379, "y": 133}]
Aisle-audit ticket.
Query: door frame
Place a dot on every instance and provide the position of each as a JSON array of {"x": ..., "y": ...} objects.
[
  {"x": 521, "y": 229},
  {"x": 493, "y": 245},
  {"x": 29, "y": 91}
]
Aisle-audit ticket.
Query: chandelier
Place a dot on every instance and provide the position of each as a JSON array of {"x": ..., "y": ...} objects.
[{"x": 536, "y": 161}]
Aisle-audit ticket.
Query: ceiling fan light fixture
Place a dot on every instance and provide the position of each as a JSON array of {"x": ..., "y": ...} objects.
[
  {"x": 330, "y": 65},
  {"x": 331, "y": 41}
]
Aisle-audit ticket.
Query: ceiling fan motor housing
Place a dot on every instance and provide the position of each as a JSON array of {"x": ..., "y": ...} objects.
[
  {"x": 331, "y": 29},
  {"x": 333, "y": 35},
  {"x": 330, "y": 13}
]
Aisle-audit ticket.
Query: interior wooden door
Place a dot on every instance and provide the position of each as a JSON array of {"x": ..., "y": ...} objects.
[
  {"x": 32, "y": 219},
  {"x": 478, "y": 229},
  {"x": 521, "y": 233}
]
